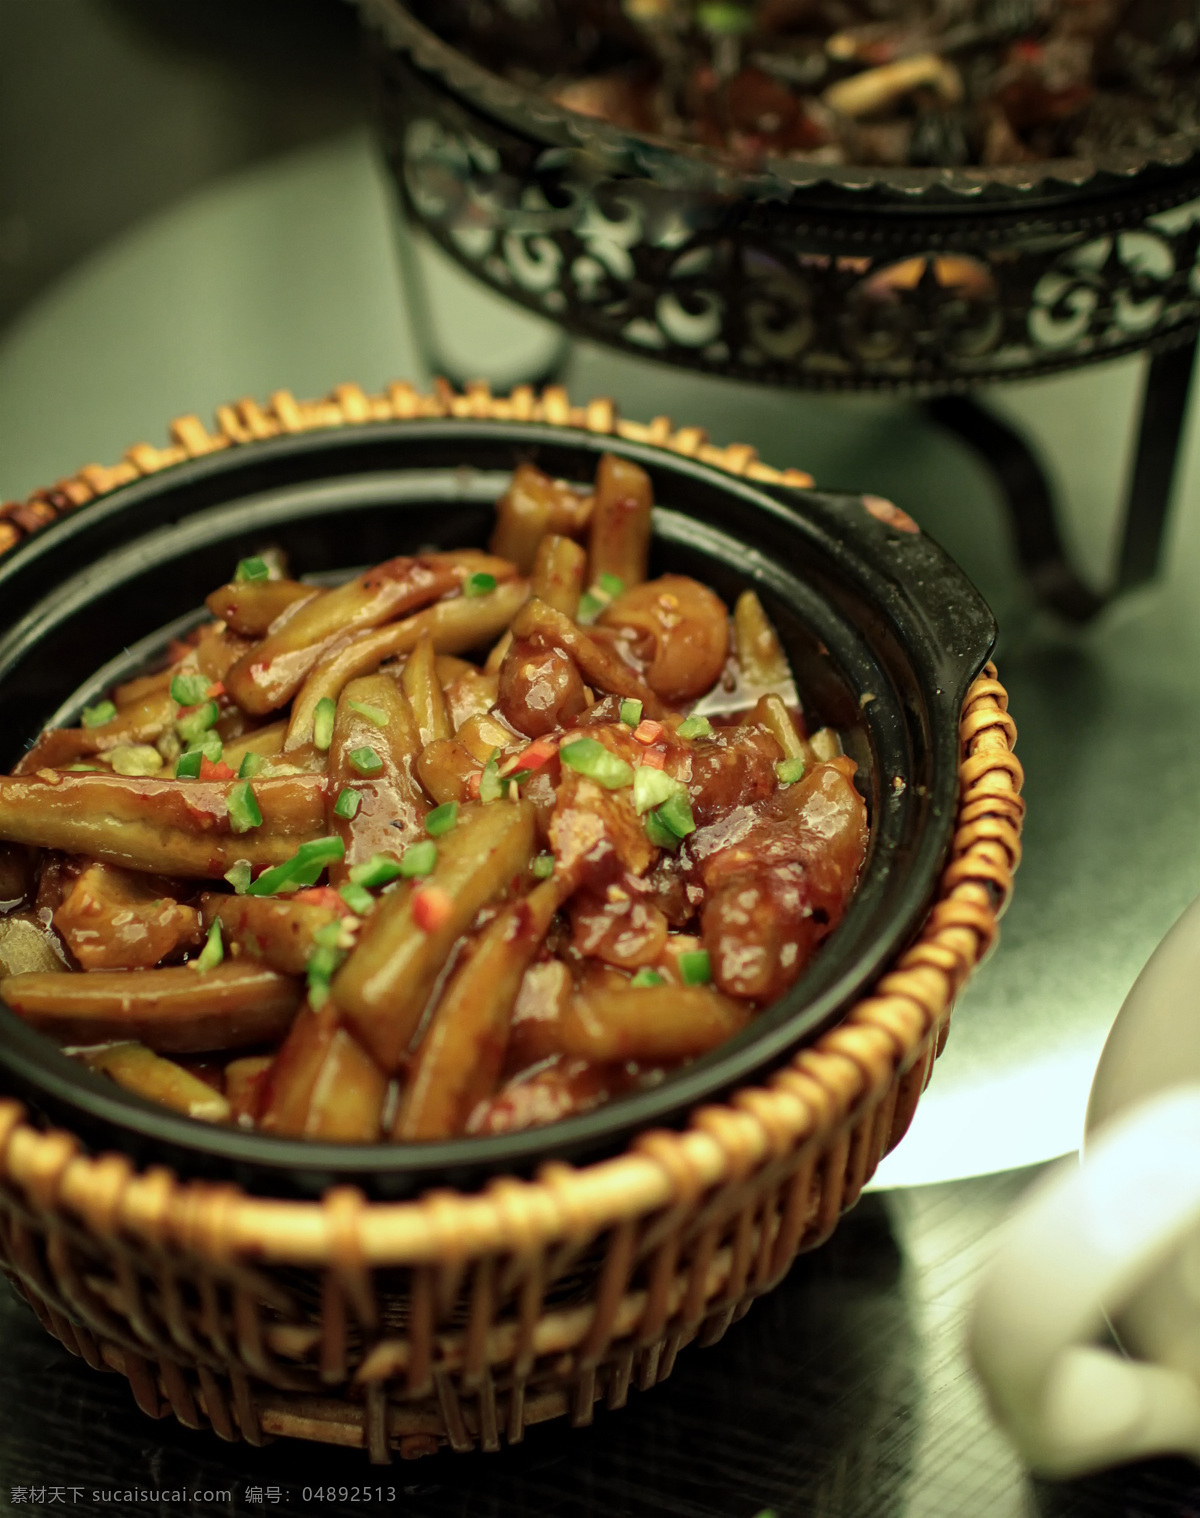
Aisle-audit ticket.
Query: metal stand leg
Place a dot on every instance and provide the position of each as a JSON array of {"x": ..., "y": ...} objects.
[{"x": 1031, "y": 504}]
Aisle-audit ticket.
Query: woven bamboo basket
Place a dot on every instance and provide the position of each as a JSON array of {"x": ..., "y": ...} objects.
[{"x": 462, "y": 1319}]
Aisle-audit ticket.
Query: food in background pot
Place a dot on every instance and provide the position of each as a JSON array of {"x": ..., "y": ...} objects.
[
  {"x": 885, "y": 82},
  {"x": 323, "y": 875}
]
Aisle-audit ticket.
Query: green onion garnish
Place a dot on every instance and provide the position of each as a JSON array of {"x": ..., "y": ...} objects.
[
  {"x": 659, "y": 833},
  {"x": 243, "y": 808},
  {"x": 365, "y": 760},
  {"x": 357, "y": 898},
  {"x": 189, "y": 690},
  {"x": 323, "y": 963},
  {"x": 491, "y": 787},
  {"x": 326, "y": 711},
  {"x": 647, "y": 977},
  {"x": 598, "y": 763},
  {"x": 377, "y": 871},
  {"x": 724, "y": 20},
  {"x": 543, "y": 866},
  {"x": 252, "y": 764},
  {"x": 652, "y": 787},
  {"x": 187, "y": 766},
  {"x": 252, "y": 569},
  {"x": 695, "y": 967},
  {"x": 789, "y": 770},
  {"x": 347, "y": 804},
  {"x": 631, "y": 712},
  {"x": 442, "y": 819},
  {"x": 418, "y": 859},
  {"x": 98, "y": 715},
  {"x": 303, "y": 869},
  {"x": 676, "y": 813},
  {"x": 611, "y": 585},
  {"x": 479, "y": 585},
  {"x": 210, "y": 746},
  {"x": 239, "y": 875},
  {"x": 695, "y": 727},
  {"x": 213, "y": 952},
  {"x": 192, "y": 727},
  {"x": 375, "y": 715},
  {"x": 590, "y": 607}
]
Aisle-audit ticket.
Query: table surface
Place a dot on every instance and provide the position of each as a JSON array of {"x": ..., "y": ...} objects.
[{"x": 847, "y": 1391}]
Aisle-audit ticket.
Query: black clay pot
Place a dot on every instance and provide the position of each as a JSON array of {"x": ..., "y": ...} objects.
[
  {"x": 884, "y": 633},
  {"x": 924, "y": 280}
]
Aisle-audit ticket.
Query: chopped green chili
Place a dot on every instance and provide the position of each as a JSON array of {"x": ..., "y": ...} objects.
[
  {"x": 252, "y": 764},
  {"x": 479, "y": 585},
  {"x": 192, "y": 727},
  {"x": 442, "y": 819},
  {"x": 242, "y": 804},
  {"x": 695, "y": 727},
  {"x": 377, "y": 871},
  {"x": 491, "y": 787},
  {"x": 189, "y": 690},
  {"x": 695, "y": 968},
  {"x": 303, "y": 869},
  {"x": 647, "y": 977},
  {"x": 323, "y": 715},
  {"x": 631, "y": 712},
  {"x": 213, "y": 952},
  {"x": 357, "y": 898},
  {"x": 652, "y": 787},
  {"x": 789, "y": 770},
  {"x": 365, "y": 760},
  {"x": 676, "y": 813},
  {"x": 598, "y": 763},
  {"x": 418, "y": 859},
  {"x": 252, "y": 569},
  {"x": 543, "y": 866},
  {"x": 187, "y": 766},
  {"x": 375, "y": 715},
  {"x": 239, "y": 876},
  {"x": 347, "y": 804},
  {"x": 98, "y": 715}
]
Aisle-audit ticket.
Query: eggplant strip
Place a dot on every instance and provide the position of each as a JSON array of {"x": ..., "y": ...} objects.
[
  {"x": 654, "y": 1024},
  {"x": 598, "y": 664},
  {"x": 391, "y": 805},
  {"x": 760, "y": 654},
  {"x": 272, "y": 930},
  {"x": 269, "y": 674},
  {"x": 146, "y": 1074},
  {"x": 169, "y": 827},
  {"x": 323, "y": 1083},
  {"x": 421, "y": 685},
  {"x": 533, "y": 505},
  {"x": 174, "y": 1011},
  {"x": 621, "y": 515},
  {"x": 455, "y": 626},
  {"x": 558, "y": 573},
  {"x": 143, "y": 721},
  {"x": 459, "y": 1060},
  {"x": 253, "y": 607},
  {"x": 384, "y": 985}
]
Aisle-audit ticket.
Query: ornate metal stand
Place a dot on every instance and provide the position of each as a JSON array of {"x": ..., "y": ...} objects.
[
  {"x": 1030, "y": 501},
  {"x": 920, "y": 282}
]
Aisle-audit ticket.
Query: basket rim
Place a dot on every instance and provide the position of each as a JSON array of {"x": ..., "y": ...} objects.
[
  {"x": 811, "y": 1098},
  {"x": 684, "y": 164}
]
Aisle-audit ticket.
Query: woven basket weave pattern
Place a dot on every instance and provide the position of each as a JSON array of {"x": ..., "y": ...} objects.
[{"x": 465, "y": 1318}]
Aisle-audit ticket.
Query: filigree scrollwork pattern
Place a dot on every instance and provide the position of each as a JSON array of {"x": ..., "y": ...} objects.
[{"x": 772, "y": 292}]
